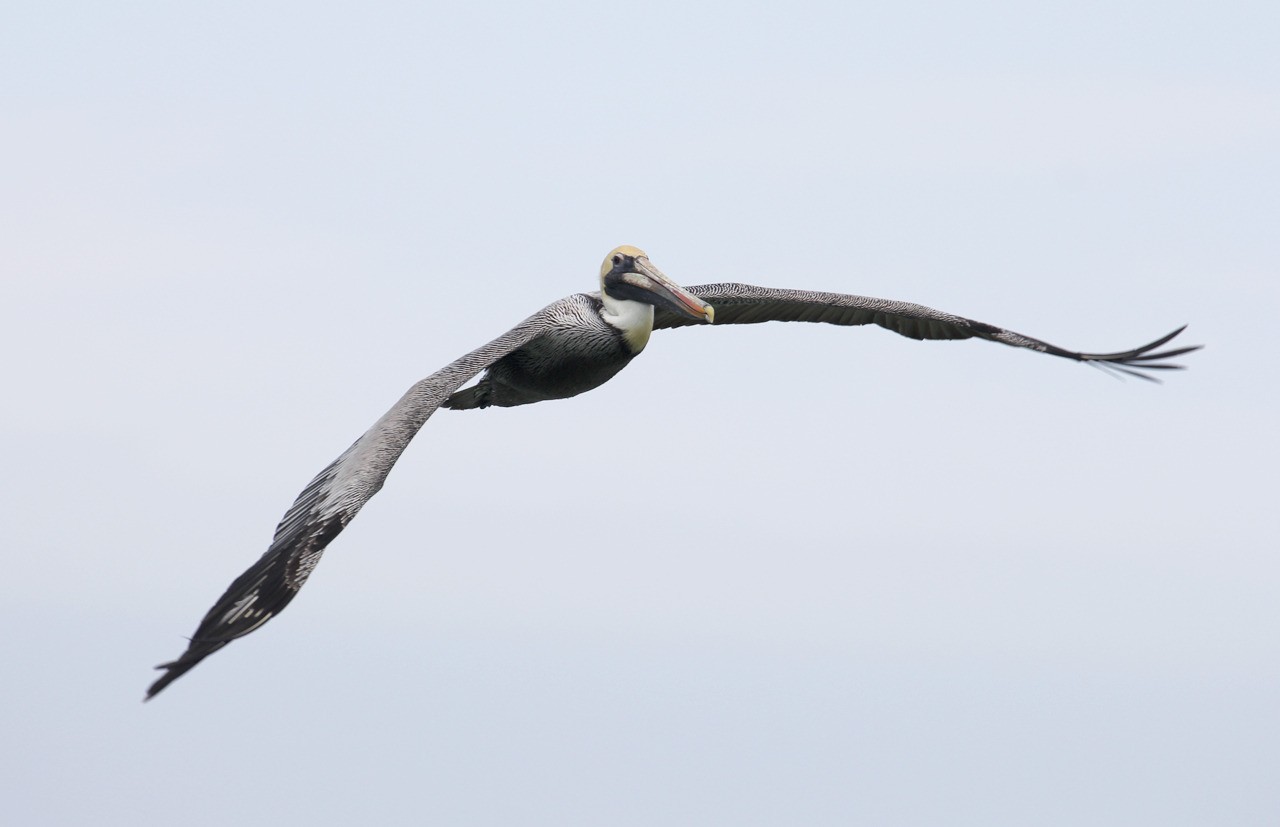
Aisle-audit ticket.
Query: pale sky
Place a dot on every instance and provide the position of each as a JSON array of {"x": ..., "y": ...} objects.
[{"x": 770, "y": 575}]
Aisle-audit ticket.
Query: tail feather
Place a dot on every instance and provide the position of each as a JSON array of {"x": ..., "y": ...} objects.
[{"x": 476, "y": 396}]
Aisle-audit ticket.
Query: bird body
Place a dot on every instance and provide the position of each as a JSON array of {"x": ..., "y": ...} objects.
[
  {"x": 579, "y": 350},
  {"x": 569, "y": 347}
]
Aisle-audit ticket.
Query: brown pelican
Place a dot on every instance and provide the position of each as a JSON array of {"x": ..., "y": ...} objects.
[{"x": 568, "y": 347}]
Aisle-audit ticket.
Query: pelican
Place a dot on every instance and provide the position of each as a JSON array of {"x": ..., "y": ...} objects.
[{"x": 565, "y": 349}]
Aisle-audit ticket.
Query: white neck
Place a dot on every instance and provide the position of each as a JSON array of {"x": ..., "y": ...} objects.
[{"x": 634, "y": 319}]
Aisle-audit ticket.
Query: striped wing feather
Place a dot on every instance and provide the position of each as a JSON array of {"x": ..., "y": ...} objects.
[
  {"x": 333, "y": 499},
  {"x": 748, "y": 304}
]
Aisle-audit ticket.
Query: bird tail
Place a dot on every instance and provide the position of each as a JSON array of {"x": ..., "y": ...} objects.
[{"x": 476, "y": 396}]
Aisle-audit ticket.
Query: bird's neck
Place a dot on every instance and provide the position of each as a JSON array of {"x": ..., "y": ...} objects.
[{"x": 634, "y": 320}]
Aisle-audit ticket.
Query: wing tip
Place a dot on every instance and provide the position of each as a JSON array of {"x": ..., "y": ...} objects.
[
  {"x": 172, "y": 673},
  {"x": 1134, "y": 362}
]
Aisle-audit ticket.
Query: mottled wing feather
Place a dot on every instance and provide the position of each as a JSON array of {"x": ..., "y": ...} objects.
[
  {"x": 335, "y": 496},
  {"x": 748, "y": 304}
]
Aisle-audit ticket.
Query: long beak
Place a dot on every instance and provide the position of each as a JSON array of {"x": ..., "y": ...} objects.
[{"x": 669, "y": 293}]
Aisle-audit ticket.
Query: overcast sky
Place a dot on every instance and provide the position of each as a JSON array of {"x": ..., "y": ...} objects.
[{"x": 772, "y": 575}]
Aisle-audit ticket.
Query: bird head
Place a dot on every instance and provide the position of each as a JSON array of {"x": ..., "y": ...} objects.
[{"x": 628, "y": 275}]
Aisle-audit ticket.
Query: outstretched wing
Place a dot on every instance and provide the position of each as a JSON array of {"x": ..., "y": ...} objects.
[
  {"x": 333, "y": 498},
  {"x": 748, "y": 304}
]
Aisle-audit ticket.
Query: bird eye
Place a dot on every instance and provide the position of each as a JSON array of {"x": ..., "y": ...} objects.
[{"x": 617, "y": 259}]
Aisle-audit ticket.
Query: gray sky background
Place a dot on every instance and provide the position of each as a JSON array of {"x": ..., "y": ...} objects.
[{"x": 773, "y": 575}]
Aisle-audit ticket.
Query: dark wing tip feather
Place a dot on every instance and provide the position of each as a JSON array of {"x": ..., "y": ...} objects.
[
  {"x": 256, "y": 596},
  {"x": 196, "y": 652},
  {"x": 1134, "y": 362}
]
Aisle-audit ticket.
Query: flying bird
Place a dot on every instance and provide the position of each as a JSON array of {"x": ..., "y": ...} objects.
[{"x": 565, "y": 349}]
